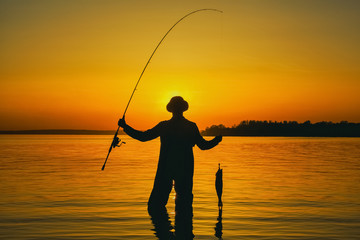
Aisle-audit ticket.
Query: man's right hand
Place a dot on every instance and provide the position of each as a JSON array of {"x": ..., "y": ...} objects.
[{"x": 122, "y": 122}]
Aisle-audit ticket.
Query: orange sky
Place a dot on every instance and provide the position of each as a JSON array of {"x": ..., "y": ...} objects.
[{"x": 74, "y": 64}]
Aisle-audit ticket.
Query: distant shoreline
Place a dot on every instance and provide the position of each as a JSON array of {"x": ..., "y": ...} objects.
[
  {"x": 108, "y": 132},
  {"x": 244, "y": 129},
  {"x": 286, "y": 129}
]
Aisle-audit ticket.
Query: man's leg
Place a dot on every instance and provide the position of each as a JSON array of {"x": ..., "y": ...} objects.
[
  {"x": 183, "y": 208},
  {"x": 160, "y": 193},
  {"x": 183, "y": 188}
]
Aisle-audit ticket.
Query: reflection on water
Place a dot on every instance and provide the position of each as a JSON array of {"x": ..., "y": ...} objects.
[
  {"x": 162, "y": 224},
  {"x": 219, "y": 226},
  {"x": 183, "y": 223},
  {"x": 52, "y": 187}
]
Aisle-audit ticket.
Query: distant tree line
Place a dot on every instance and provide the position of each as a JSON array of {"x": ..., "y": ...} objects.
[{"x": 286, "y": 128}]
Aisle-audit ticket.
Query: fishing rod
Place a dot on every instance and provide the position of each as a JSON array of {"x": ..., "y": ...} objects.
[{"x": 117, "y": 142}]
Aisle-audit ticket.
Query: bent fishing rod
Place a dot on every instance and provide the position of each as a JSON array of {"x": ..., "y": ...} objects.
[{"x": 117, "y": 142}]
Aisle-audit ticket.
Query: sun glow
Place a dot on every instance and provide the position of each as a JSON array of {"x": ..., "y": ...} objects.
[{"x": 65, "y": 68}]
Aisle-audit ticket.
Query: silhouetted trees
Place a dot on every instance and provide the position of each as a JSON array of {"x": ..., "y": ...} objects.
[{"x": 286, "y": 128}]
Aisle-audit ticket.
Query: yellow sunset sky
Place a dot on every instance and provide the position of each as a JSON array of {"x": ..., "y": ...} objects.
[{"x": 74, "y": 64}]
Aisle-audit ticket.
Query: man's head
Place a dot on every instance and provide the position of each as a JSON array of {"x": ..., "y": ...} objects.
[{"x": 177, "y": 105}]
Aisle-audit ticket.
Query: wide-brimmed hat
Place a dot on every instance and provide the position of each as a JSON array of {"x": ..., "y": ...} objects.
[{"x": 177, "y": 104}]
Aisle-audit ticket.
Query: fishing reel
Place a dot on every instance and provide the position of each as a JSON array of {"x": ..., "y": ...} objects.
[{"x": 117, "y": 142}]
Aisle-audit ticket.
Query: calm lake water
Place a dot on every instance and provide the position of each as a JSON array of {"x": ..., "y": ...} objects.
[{"x": 52, "y": 187}]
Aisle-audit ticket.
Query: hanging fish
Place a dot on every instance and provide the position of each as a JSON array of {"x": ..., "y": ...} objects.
[{"x": 219, "y": 185}]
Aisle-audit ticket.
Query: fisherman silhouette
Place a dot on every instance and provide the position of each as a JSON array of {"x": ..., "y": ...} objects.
[{"x": 175, "y": 168}]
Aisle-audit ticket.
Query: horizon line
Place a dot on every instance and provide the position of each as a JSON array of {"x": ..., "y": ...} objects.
[{"x": 99, "y": 132}]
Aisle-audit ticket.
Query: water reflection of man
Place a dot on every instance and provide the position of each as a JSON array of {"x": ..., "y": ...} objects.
[{"x": 178, "y": 136}]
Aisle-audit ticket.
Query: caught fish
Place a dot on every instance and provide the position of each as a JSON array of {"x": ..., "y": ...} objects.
[{"x": 219, "y": 185}]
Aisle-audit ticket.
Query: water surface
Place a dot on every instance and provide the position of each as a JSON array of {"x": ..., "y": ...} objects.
[{"x": 52, "y": 187}]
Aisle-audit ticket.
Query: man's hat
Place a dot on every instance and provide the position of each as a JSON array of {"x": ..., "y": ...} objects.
[{"x": 177, "y": 104}]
